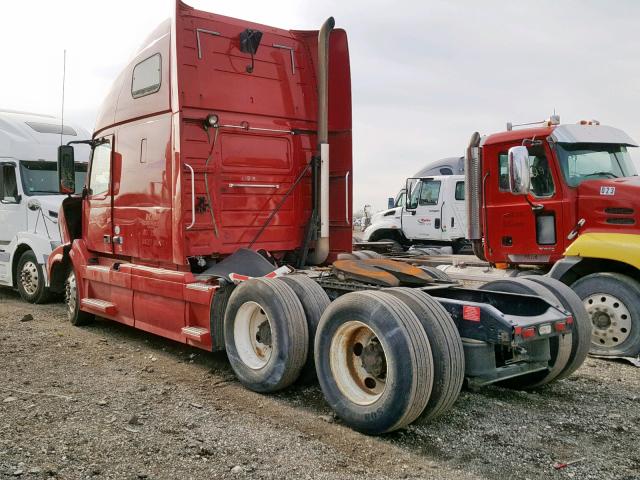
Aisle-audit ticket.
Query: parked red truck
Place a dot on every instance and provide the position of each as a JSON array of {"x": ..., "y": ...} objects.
[
  {"x": 564, "y": 197},
  {"x": 210, "y": 166}
]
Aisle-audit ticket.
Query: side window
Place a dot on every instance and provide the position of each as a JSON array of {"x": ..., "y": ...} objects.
[
  {"x": 459, "y": 190},
  {"x": 414, "y": 189},
  {"x": 8, "y": 184},
  {"x": 503, "y": 167},
  {"x": 100, "y": 169},
  {"x": 147, "y": 76},
  {"x": 430, "y": 192},
  {"x": 400, "y": 199},
  {"x": 541, "y": 177}
]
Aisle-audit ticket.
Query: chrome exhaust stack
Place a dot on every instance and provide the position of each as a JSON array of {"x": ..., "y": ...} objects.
[{"x": 321, "y": 250}]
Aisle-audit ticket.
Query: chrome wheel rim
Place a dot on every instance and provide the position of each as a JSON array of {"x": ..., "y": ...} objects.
[
  {"x": 71, "y": 293},
  {"x": 610, "y": 318},
  {"x": 29, "y": 277},
  {"x": 252, "y": 335},
  {"x": 358, "y": 362}
]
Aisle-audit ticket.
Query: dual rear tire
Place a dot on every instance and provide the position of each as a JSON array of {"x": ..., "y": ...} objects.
[
  {"x": 383, "y": 358},
  {"x": 568, "y": 351}
]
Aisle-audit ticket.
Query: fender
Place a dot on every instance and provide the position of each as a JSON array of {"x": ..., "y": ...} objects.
[
  {"x": 40, "y": 246},
  {"x": 386, "y": 220},
  {"x": 57, "y": 267},
  {"x": 621, "y": 247}
]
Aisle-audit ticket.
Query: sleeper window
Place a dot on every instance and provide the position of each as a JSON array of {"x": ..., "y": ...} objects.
[{"x": 147, "y": 76}]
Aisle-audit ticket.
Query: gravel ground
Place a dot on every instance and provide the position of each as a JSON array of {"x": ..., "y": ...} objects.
[{"x": 106, "y": 401}]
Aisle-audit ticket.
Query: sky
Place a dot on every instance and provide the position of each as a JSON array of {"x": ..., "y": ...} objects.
[{"x": 425, "y": 74}]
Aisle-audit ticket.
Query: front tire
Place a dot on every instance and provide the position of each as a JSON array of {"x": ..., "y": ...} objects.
[
  {"x": 30, "y": 279},
  {"x": 612, "y": 301},
  {"x": 71, "y": 298},
  {"x": 396, "y": 246}
]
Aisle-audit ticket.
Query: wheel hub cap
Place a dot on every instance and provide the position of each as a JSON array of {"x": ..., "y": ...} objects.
[
  {"x": 29, "y": 278},
  {"x": 252, "y": 335},
  {"x": 358, "y": 363},
  {"x": 610, "y": 318},
  {"x": 70, "y": 293}
]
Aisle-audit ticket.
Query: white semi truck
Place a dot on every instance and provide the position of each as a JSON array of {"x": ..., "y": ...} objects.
[
  {"x": 434, "y": 215},
  {"x": 29, "y": 198}
]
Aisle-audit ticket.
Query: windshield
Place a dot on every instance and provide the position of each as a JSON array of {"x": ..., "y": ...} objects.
[
  {"x": 41, "y": 177},
  {"x": 588, "y": 161}
]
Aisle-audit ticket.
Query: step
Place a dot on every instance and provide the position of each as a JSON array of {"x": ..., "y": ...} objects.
[
  {"x": 199, "y": 334},
  {"x": 97, "y": 305},
  {"x": 204, "y": 287}
]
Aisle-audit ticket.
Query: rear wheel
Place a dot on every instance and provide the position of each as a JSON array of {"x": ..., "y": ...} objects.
[
  {"x": 581, "y": 333},
  {"x": 612, "y": 301},
  {"x": 30, "y": 279},
  {"x": 265, "y": 334},
  {"x": 314, "y": 301},
  {"x": 446, "y": 347},
  {"x": 374, "y": 361},
  {"x": 560, "y": 347},
  {"x": 218, "y": 310},
  {"x": 72, "y": 300}
]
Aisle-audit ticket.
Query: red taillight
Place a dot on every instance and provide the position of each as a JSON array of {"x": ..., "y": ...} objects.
[
  {"x": 569, "y": 320},
  {"x": 471, "y": 313},
  {"x": 560, "y": 326},
  {"x": 529, "y": 332},
  {"x": 517, "y": 331}
]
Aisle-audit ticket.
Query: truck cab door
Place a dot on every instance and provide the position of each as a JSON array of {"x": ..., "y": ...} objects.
[
  {"x": 520, "y": 232},
  {"x": 421, "y": 215},
  {"x": 12, "y": 215},
  {"x": 457, "y": 213},
  {"x": 12, "y": 212},
  {"x": 98, "y": 199}
]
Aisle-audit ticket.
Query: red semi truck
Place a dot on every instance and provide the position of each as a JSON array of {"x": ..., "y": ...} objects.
[
  {"x": 563, "y": 197},
  {"x": 210, "y": 165}
]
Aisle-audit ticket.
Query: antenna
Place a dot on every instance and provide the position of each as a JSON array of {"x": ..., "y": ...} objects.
[{"x": 64, "y": 72}]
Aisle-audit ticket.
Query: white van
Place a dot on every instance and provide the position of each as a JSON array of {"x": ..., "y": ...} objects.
[
  {"x": 29, "y": 198},
  {"x": 433, "y": 213}
]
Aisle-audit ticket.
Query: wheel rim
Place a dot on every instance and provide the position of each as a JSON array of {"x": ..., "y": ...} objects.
[
  {"x": 71, "y": 293},
  {"x": 610, "y": 318},
  {"x": 358, "y": 363},
  {"x": 29, "y": 277},
  {"x": 252, "y": 335}
]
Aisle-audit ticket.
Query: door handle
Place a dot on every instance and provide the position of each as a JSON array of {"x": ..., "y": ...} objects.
[
  {"x": 253, "y": 185},
  {"x": 106, "y": 239},
  {"x": 193, "y": 197},
  {"x": 346, "y": 196},
  {"x": 118, "y": 240}
]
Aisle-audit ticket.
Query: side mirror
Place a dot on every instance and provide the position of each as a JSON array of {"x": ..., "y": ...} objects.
[
  {"x": 391, "y": 202},
  {"x": 66, "y": 169},
  {"x": 519, "y": 174}
]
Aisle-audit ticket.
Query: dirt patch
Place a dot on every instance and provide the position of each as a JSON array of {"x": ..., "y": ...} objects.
[{"x": 107, "y": 401}]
